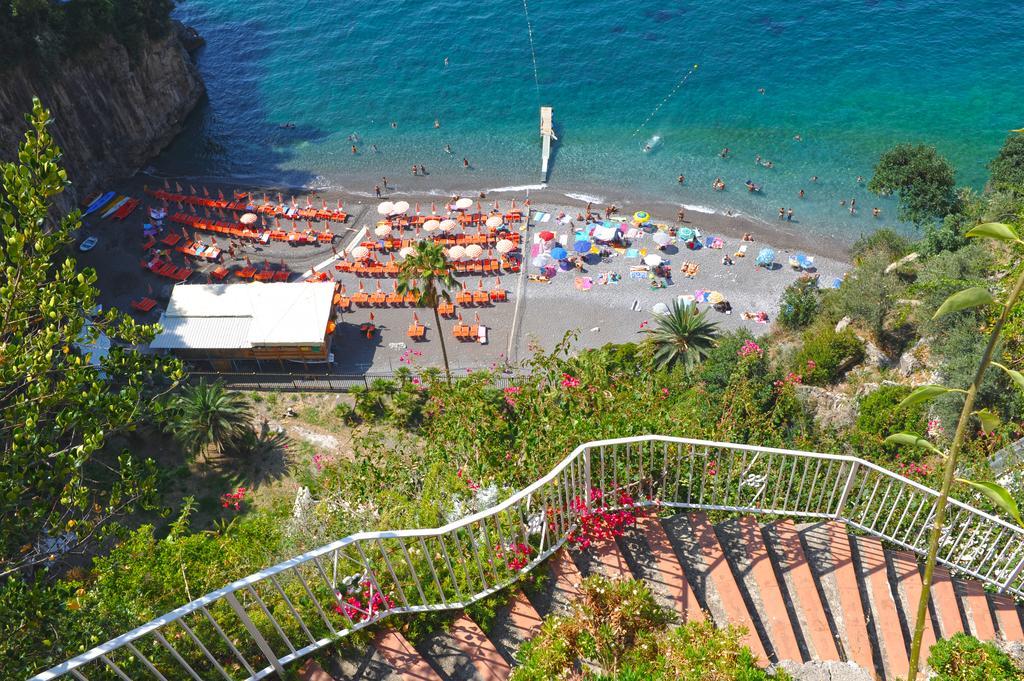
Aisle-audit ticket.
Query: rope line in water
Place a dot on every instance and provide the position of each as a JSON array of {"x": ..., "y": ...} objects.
[
  {"x": 533, "y": 52},
  {"x": 663, "y": 102}
]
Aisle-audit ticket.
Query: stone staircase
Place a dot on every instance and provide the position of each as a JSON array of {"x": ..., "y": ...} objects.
[{"x": 804, "y": 592}]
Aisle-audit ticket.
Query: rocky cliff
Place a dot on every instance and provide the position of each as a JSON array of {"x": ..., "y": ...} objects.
[{"x": 112, "y": 111}]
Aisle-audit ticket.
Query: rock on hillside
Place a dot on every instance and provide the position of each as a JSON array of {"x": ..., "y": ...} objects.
[{"x": 113, "y": 111}]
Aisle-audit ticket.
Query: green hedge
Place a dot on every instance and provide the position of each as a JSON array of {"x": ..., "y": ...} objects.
[
  {"x": 826, "y": 355},
  {"x": 965, "y": 658}
]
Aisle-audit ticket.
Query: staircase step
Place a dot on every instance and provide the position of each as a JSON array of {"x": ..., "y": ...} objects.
[
  {"x": 665, "y": 573},
  {"x": 889, "y": 634},
  {"x": 1007, "y": 617},
  {"x": 810, "y": 610},
  {"x": 976, "y": 606},
  {"x": 406, "y": 660},
  {"x": 488, "y": 662},
  {"x": 517, "y": 622},
  {"x": 566, "y": 579},
  {"x": 742, "y": 541},
  {"x": 311, "y": 671},
  {"x": 714, "y": 568},
  {"x": 909, "y": 588},
  {"x": 610, "y": 560},
  {"x": 367, "y": 665},
  {"x": 947, "y": 607},
  {"x": 832, "y": 564}
]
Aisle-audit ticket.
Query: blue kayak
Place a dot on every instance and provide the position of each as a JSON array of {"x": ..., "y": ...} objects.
[{"x": 98, "y": 203}]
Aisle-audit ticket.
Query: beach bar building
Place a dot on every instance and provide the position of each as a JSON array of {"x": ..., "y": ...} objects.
[{"x": 229, "y": 323}]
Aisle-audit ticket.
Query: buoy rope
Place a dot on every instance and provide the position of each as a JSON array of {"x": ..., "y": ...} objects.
[
  {"x": 533, "y": 51},
  {"x": 662, "y": 103}
]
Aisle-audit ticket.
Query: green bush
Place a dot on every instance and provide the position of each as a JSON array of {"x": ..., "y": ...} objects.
[
  {"x": 965, "y": 658},
  {"x": 878, "y": 417},
  {"x": 800, "y": 303},
  {"x": 826, "y": 355},
  {"x": 1007, "y": 168}
]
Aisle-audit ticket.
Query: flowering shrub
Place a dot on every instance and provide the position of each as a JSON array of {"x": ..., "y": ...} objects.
[
  {"x": 233, "y": 499},
  {"x": 600, "y": 523},
  {"x": 749, "y": 348},
  {"x": 363, "y": 605},
  {"x": 570, "y": 381}
]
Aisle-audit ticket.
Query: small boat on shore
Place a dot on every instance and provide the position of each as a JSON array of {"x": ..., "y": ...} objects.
[{"x": 99, "y": 203}]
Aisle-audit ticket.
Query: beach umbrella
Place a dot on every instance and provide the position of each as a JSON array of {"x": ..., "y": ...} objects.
[
  {"x": 360, "y": 252},
  {"x": 400, "y": 207},
  {"x": 456, "y": 253},
  {"x": 715, "y": 297},
  {"x": 431, "y": 225},
  {"x": 474, "y": 251},
  {"x": 641, "y": 216},
  {"x": 653, "y": 260},
  {"x": 382, "y": 230},
  {"x": 559, "y": 253},
  {"x": 766, "y": 257},
  {"x": 685, "y": 233},
  {"x": 494, "y": 221},
  {"x": 463, "y": 204},
  {"x": 541, "y": 260},
  {"x": 660, "y": 309},
  {"x": 662, "y": 238},
  {"x": 447, "y": 225},
  {"x": 386, "y": 208},
  {"x": 686, "y": 301},
  {"x": 406, "y": 251},
  {"x": 546, "y": 235},
  {"x": 582, "y": 246},
  {"x": 504, "y": 246}
]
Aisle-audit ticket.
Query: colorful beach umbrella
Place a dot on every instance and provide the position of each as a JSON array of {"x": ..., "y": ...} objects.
[
  {"x": 641, "y": 216},
  {"x": 685, "y": 233},
  {"x": 546, "y": 235},
  {"x": 559, "y": 253},
  {"x": 582, "y": 246},
  {"x": 766, "y": 257}
]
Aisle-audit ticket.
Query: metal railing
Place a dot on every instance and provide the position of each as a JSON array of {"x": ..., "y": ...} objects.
[{"x": 258, "y": 625}]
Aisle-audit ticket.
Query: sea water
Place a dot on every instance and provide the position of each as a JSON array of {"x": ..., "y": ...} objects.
[{"x": 400, "y": 80}]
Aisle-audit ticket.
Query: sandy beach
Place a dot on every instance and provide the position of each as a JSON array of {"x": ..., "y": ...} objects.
[{"x": 536, "y": 315}]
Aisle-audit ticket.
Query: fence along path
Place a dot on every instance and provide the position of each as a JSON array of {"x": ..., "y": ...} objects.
[{"x": 257, "y": 625}]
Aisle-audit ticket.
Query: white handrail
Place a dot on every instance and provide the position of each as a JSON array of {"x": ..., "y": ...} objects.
[{"x": 707, "y": 475}]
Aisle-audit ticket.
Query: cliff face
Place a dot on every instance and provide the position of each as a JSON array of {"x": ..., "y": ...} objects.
[{"x": 112, "y": 112}]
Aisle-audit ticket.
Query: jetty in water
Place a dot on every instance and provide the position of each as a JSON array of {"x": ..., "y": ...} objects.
[{"x": 547, "y": 133}]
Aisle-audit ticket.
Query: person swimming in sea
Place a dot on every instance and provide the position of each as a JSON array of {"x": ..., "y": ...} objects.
[
  {"x": 798, "y": 138},
  {"x": 437, "y": 123},
  {"x": 354, "y": 149},
  {"x": 647, "y": 147},
  {"x": 682, "y": 179},
  {"x": 724, "y": 153},
  {"x": 814, "y": 178},
  {"x": 877, "y": 212},
  {"x": 447, "y": 148},
  {"x": 801, "y": 194},
  {"x": 287, "y": 126},
  {"x": 375, "y": 149}
]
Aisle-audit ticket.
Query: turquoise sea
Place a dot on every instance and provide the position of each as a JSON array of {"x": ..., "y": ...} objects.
[{"x": 849, "y": 77}]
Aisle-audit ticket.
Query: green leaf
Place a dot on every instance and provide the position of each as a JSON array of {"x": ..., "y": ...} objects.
[
  {"x": 1016, "y": 376},
  {"x": 911, "y": 440},
  {"x": 998, "y": 496},
  {"x": 994, "y": 230},
  {"x": 971, "y": 297},
  {"x": 989, "y": 420},
  {"x": 925, "y": 393}
]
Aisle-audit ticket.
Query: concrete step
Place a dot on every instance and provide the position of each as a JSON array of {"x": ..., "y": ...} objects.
[
  {"x": 884, "y": 617},
  {"x": 704, "y": 560},
  {"x": 653, "y": 559},
  {"x": 979, "y": 617},
  {"x": 516, "y": 622},
  {"x": 1007, "y": 617},
  {"x": 809, "y": 609},
  {"x": 908, "y": 590},
  {"x": 947, "y": 606},
  {"x": 367, "y": 665},
  {"x": 610, "y": 561},
  {"x": 745, "y": 548},
  {"x": 403, "y": 657},
  {"x": 485, "y": 658}
]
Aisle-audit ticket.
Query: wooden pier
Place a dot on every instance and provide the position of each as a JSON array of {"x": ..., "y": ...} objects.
[{"x": 547, "y": 133}]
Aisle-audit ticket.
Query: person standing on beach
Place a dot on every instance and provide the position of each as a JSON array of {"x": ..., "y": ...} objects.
[
  {"x": 376, "y": 190},
  {"x": 414, "y": 169},
  {"x": 782, "y": 213},
  {"x": 384, "y": 181},
  {"x": 423, "y": 169}
]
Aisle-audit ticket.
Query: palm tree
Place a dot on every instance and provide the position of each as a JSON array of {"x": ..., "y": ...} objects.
[
  {"x": 206, "y": 415},
  {"x": 682, "y": 335},
  {"x": 425, "y": 273}
]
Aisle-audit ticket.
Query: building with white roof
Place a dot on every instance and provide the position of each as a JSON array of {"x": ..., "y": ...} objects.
[{"x": 248, "y": 321}]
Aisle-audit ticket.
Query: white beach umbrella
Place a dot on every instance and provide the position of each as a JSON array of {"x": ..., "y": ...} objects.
[
  {"x": 399, "y": 207},
  {"x": 386, "y": 208},
  {"x": 505, "y": 246},
  {"x": 382, "y": 230},
  {"x": 661, "y": 238},
  {"x": 474, "y": 251},
  {"x": 653, "y": 260},
  {"x": 463, "y": 204},
  {"x": 494, "y": 221},
  {"x": 248, "y": 219},
  {"x": 431, "y": 225},
  {"x": 456, "y": 253},
  {"x": 541, "y": 260},
  {"x": 447, "y": 225},
  {"x": 407, "y": 251},
  {"x": 360, "y": 252},
  {"x": 660, "y": 309}
]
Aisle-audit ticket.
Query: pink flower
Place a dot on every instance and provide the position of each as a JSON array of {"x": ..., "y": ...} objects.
[
  {"x": 570, "y": 381},
  {"x": 750, "y": 348},
  {"x": 664, "y": 393}
]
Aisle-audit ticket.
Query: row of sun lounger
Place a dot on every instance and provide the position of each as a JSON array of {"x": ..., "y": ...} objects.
[
  {"x": 380, "y": 298},
  {"x": 240, "y": 231},
  {"x": 404, "y": 221},
  {"x": 240, "y": 206},
  {"x": 167, "y": 269}
]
